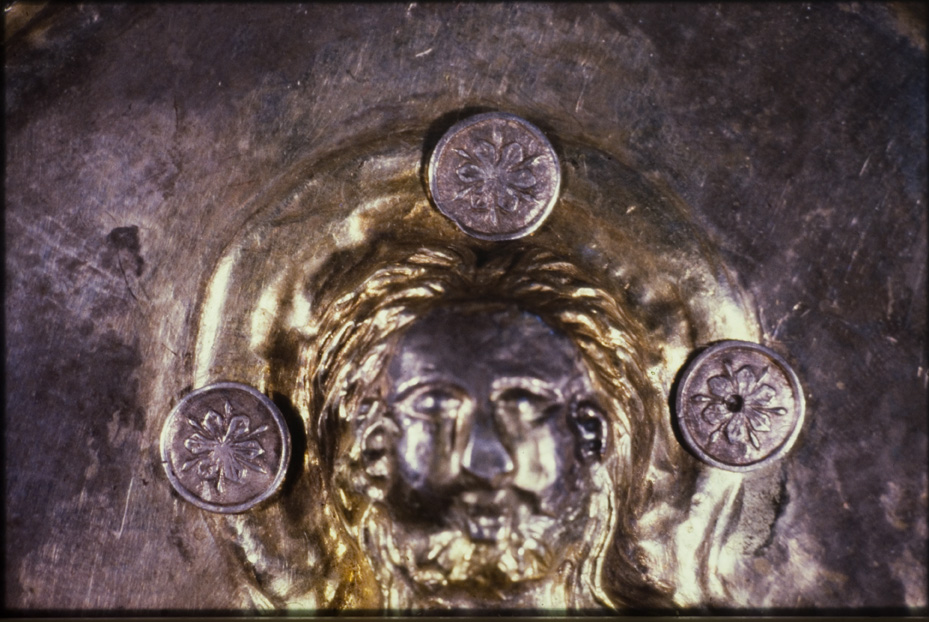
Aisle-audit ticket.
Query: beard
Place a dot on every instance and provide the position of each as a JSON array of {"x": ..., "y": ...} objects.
[{"x": 490, "y": 547}]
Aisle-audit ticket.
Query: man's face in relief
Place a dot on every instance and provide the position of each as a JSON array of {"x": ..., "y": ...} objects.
[{"x": 496, "y": 430}]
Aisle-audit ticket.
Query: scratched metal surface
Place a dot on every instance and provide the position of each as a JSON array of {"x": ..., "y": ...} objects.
[{"x": 136, "y": 135}]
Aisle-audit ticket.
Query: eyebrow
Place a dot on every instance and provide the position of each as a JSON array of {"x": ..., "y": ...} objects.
[
  {"x": 533, "y": 385},
  {"x": 404, "y": 390}
]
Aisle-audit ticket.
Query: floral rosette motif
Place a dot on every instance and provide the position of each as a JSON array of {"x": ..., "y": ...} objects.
[
  {"x": 496, "y": 176},
  {"x": 739, "y": 406},
  {"x": 224, "y": 448}
]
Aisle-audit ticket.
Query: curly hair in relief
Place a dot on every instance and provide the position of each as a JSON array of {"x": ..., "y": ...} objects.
[{"x": 356, "y": 331}]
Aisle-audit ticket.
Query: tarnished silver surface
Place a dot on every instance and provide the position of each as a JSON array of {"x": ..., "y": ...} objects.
[
  {"x": 225, "y": 447},
  {"x": 739, "y": 405},
  {"x": 486, "y": 475},
  {"x": 187, "y": 185},
  {"x": 335, "y": 315},
  {"x": 495, "y": 175}
]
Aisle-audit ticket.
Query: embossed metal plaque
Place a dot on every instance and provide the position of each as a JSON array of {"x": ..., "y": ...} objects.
[{"x": 474, "y": 328}]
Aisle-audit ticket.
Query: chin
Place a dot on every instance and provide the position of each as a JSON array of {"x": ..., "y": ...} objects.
[
  {"x": 485, "y": 549},
  {"x": 479, "y": 551}
]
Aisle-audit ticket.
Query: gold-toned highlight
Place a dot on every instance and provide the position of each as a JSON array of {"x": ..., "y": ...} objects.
[{"x": 356, "y": 332}]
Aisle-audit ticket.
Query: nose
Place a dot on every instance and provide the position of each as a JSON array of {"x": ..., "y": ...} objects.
[{"x": 485, "y": 456}]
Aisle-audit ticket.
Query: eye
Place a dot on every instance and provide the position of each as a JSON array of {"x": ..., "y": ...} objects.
[
  {"x": 432, "y": 403},
  {"x": 436, "y": 402},
  {"x": 524, "y": 405}
]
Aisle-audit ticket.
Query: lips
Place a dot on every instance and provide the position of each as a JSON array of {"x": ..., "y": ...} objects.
[{"x": 487, "y": 514}]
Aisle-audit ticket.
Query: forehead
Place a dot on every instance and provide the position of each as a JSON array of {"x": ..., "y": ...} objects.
[{"x": 459, "y": 344}]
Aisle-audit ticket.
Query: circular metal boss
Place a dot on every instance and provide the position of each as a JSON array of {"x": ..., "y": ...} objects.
[
  {"x": 495, "y": 175},
  {"x": 225, "y": 447},
  {"x": 739, "y": 406}
]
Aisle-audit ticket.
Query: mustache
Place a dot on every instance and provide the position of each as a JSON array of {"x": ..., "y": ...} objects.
[
  {"x": 474, "y": 490},
  {"x": 464, "y": 494},
  {"x": 498, "y": 516},
  {"x": 507, "y": 497}
]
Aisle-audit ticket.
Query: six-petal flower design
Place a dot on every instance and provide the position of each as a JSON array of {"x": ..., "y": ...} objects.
[
  {"x": 496, "y": 176},
  {"x": 739, "y": 405},
  {"x": 223, "y": 447}
]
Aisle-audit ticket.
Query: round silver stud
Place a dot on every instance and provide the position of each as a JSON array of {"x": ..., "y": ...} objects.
[
  {"x": 225, "y": 447},
  {"x": 495, "y": 175},
  {"x": 739, "y": 406}
]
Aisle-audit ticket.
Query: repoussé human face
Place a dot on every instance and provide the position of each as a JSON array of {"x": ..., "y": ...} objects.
[{"x": 497, "y": 424}]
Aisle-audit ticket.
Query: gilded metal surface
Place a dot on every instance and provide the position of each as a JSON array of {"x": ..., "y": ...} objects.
[
  {"x": 478, "y": 471},
  {"x": 320, "y": 325},
  {"x": 739, "y": 405},
  {"x": 495, "y": 175},
  {"x": 190, "y": 192},
  {"x": 225, "y": 447}
]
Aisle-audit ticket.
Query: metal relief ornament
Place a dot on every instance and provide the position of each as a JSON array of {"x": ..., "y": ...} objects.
[
  {"x": 495, "y": 175},
  {"x": 739, "y": 406},
  {"x": 484, "y": 455},
  {"x": 473, "y": 405},
  {"x": 479, "y": 417},
  {"x": 486, "y": 412},
  {"x": 225, "y": 447}
]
